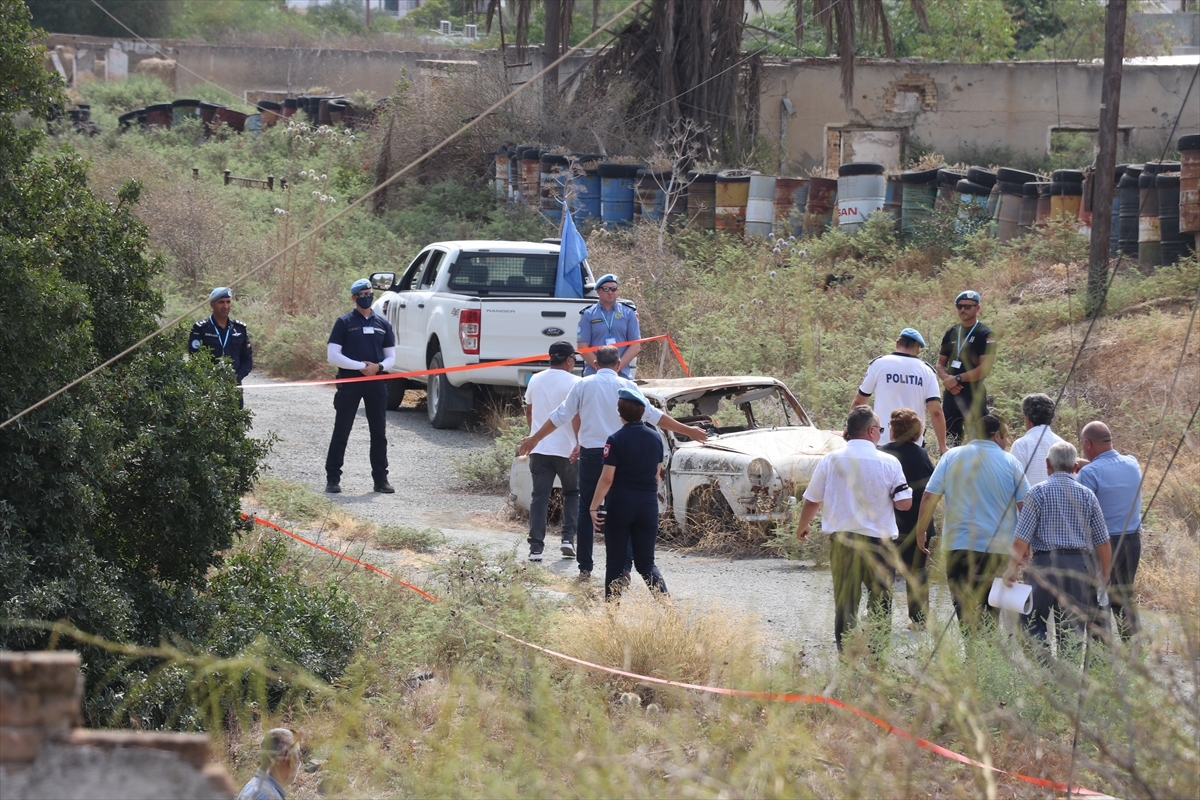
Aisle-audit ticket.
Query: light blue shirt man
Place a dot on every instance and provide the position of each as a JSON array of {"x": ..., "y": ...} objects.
[
  {"x": 608, "y": 322},
  {"x": 1116, "y": 480},
  {"x": 981, "y": 485}
]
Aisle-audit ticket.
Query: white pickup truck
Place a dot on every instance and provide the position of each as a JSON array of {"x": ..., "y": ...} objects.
[{"x": 472, "y": 302}]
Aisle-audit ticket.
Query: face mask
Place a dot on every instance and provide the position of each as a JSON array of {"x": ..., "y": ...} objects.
[{"x": 364, "y": 302}]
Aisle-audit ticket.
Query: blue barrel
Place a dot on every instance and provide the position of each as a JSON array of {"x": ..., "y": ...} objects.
[
  {"x": 650, "y": 194},
  {"x": 554, "y": 171},
  {"x": 617, "y": 188},
  {"x": 585, "y": 187}
]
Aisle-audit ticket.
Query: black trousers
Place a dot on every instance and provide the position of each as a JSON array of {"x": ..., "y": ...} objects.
[
  {"x": 963, "y": 415},
  {"x": 1126, "y": 555},
  {"x": 543, "y": 469},
  {"x": 916, "y": 575},
  {"x": 373, "y": 396},
  {"x": 632, "y": 521},
  {"x": 855, "y": 560},
  {"x": 1062, "y": 586},
  {"x": 969, "y": 575}
]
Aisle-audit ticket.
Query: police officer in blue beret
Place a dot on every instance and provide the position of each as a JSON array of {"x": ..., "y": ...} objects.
[
  {"x": 224, "y": 337},
  {"x": 633, "y": 460},
  {"x": 361, "y": 343},
  {"x": 607, "y": 322}
]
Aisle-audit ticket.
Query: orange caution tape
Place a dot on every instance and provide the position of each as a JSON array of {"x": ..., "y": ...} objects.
[
  {"x": 778, "y": 697},
  {"x": 507, "y": 362}
]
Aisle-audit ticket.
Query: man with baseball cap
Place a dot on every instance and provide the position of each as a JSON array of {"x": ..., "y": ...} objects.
[
  {"x": 224, "y": 337},
  {"x": 607, "y": 323},
  {"x": 902, "y": 380},
  {"x": 966, "y": 358},
  {"x": 555, "y": 455},
  {"x": 361, "y": 343}
]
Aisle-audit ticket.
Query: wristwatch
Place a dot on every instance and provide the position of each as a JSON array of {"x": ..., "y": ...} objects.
[{"x": 958, "y": 378}]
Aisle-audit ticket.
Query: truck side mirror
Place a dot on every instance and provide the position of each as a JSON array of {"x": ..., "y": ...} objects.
[{"x": 383, "y": 281}]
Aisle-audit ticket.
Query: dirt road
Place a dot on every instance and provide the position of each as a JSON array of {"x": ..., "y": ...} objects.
[{"x": 793, "y": 600}]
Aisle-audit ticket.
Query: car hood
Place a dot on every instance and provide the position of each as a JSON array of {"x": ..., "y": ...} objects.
[{"x": 793, "y": 452}]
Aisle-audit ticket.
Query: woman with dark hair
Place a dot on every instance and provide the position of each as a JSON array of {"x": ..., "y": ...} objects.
[
  {"x": 632, "y": 466},
  {"x": 905, "y": 427}
]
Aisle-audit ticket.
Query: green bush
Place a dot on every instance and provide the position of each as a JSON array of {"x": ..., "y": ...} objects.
[{"x": 487, "y": 470}]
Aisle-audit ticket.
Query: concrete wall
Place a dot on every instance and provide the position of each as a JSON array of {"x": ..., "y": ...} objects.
[{"x": 953, "y": 108}]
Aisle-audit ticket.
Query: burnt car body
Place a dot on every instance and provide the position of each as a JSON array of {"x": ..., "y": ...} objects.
[{"x": 761, "y": 452}]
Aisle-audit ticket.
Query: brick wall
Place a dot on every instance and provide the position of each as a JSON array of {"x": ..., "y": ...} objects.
[{"x": 45, "y": 753}]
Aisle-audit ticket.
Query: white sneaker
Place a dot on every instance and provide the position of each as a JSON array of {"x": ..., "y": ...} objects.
[
  {"x": 535, "y": 556},
  {"x": 568, "y": 548}
]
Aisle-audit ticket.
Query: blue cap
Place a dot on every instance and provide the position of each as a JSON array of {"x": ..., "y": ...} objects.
[
  {"x": 632, "y": 394},
  {"x": 968, "y": 295},
  {"x": 219, "y": 292},
  {"x": 914, "y": 334},
  {"x": 359, "y": 285},
  {"x": 609, "y": 278}
]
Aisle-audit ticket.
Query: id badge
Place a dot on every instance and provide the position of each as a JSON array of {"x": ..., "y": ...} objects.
[
  {"x": 956, "y": 365},
  {"x": 611, "y": 340},
  {"x": 368, "y": 331}
]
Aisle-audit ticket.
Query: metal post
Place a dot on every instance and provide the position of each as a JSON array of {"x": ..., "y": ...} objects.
[
  {"x": 227, "y": 174},
  {"x": 270, "y": 183},
  {"x": 195, "y": 173},
  {"x": 1106, "y": 157}
]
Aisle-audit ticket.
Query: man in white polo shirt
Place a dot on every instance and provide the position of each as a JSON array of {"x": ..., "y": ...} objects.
[
  {"x": 1032, "y": 448},
  {"x": 902, "y": 380},
  {"x": 594, "y": 401},
  {"x": 554, "y": 455},
  {"x": 858, "y": 487}
]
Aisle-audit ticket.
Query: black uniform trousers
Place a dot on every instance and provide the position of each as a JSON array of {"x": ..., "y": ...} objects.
[
  {"x": 591, "y": 464},
  {"x": 969, "y": 575},
  {"x": 373, "y": 396},
  {"x": 632, "y": 521}
]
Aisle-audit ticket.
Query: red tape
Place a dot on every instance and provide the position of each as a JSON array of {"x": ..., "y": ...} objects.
[
  {"x": 507, "y": 362},
  {"x": 778, "y": 697}
]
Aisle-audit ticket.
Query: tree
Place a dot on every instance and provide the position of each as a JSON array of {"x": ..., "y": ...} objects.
[
  {"x": 150, "y": 18},
  {"x": 117, "y": 497}
]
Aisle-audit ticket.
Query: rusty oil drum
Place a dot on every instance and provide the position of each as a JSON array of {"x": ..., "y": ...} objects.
[
  {"x": 1189, "y": 183},
  {"x": 702, "y": 200},
  {"x": 818, "y": 213},
  {"x": 733, "y": 192},
  {"x": 791, "y": 196}
]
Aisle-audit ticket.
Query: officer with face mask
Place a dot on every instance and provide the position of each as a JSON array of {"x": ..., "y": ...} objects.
[{"x": 361, "y": 343}]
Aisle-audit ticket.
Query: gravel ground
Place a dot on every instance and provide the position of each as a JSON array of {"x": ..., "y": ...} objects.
[{"x": 793, "y": 600}]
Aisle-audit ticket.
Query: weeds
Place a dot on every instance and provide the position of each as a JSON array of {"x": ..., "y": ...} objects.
[{"x": 407, "y": 537}]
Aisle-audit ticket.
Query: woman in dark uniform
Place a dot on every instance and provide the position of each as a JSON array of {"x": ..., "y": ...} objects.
[
  {"x": 632, "y": 465},
  {"x": 905, "y": 427}
]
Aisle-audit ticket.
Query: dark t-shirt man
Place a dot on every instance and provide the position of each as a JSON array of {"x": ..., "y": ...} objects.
[{"x": 963, "y": 348}]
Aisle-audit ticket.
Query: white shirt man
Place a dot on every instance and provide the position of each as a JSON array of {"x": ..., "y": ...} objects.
[
  {"x": 1032, "y": 448},
  {"x": 858, "y": 488},
  {"x": 554, "y": 456},
  {"x": 902, "y": 380}
]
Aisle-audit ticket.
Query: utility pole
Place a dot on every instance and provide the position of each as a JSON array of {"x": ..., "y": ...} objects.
[
  {"x": 550, "y": 53},
  {"x": 1106, "y": 158},
  {"x": 368, "y": 13}
]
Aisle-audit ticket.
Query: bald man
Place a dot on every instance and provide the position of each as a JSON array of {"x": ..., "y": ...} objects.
[{"x": 1116, "y": 480}]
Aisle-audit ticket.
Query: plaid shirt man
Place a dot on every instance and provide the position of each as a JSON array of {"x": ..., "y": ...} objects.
[{"x": 1059, "y": 514}]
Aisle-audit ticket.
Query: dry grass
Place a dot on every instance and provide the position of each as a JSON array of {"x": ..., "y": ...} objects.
[{"x": 646, "y": 635}]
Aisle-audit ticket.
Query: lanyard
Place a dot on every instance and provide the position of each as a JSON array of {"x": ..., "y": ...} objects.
[
  {"x": 958, "y": 353},
  {"x": 228, "y": 330},
  {"x": 609, "y": 319}
]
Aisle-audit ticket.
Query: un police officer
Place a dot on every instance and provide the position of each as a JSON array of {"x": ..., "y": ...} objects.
[
  {"x": 633, "y": 460},
  {"x": 361, "y": 343},
  {"x": 224, "y": 337},
  {"x": 606, "y": 323}
]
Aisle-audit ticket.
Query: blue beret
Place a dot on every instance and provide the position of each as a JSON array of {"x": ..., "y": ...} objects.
[
  {"x": 359, "y": 285},
  {"x": 219, "y": 292},
  {"x": 609, "y": 278},
  {"x": 632, "y": 394},
  {"x": 914, "y": 334},
  {"x": 968, "y": 295}
]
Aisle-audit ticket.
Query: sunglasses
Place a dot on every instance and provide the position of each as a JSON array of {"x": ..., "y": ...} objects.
[
  {"x": 365, "y": 293},
  {"x": 607, "y": 289},
  {"x": 961, "y": 306}
]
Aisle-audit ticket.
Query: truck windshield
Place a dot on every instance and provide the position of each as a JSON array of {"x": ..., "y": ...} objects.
[{"x": 505, "y": 273}]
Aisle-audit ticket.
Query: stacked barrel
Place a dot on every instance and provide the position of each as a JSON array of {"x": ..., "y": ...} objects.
[{"x": 332, "y": 110}]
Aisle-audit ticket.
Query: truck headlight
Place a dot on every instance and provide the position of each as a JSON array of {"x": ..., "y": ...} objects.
[{"x": 760, "y": 472}]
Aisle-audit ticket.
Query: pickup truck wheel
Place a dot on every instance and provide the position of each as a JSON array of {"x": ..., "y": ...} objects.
[
  {"x": 436, "y": 391},
  {"x": 395, "y": 393}
]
